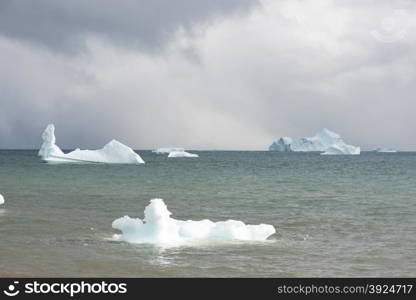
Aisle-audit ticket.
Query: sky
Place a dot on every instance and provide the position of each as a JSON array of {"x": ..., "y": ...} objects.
[{"x": 207, "y": 74}]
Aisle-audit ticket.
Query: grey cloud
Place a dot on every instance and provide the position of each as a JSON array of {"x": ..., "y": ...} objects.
[
  {"x": 287, "y": 69},
  {"x": 147, "y": 25}
]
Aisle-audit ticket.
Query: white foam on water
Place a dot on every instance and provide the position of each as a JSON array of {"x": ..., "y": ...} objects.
[
  {"x": 1, "y": 199},
  {"x": 158, "y": 227}
]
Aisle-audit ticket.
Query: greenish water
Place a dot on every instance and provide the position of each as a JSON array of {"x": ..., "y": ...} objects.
[{"x": 334, "y": 215}]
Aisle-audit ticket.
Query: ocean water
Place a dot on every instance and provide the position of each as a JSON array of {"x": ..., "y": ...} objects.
[{"x": 334, "y": 215}]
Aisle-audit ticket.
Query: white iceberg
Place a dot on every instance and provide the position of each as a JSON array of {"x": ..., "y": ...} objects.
[
  {"x": 324, "y": 141},
  {"x": 113, "y": 152},
  {"x": 282, "y": 145},
  {"x": 158, "y": 227},
  {"x": 342, "y": 149},
  {"x": 182, "y": 154},
  {"x": 174, "y": 152},
  {"x": 1, "y": 199},
  {"x": 167, "y": 150},
  {"x": 385, "y": 150}
]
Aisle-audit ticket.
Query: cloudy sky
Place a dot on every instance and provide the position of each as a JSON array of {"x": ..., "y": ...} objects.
[{"x": 207, "y": 74}]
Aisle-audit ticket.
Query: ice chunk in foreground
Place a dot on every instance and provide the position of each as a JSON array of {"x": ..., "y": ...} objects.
[
  {"x": 182, "y": 154},
  {"x": 167, "y": 150},
  {"x": 1, "y": 199},
  {"x": 385, "y": 150},
  {"x": 114, "y": 152},
  {"x": 158, "y": 227},
  {"x": 324, "y": 141}
]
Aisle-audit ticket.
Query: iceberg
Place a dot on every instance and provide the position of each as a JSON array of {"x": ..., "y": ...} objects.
[
  {"x": 324, "y": 141},
  {"x": 174, "y": 152},
  {"x": 182, "y": 154},
  {"x": 385, "y": 150},
  {"x": 1, "y": 199},
  {"x": 167, "y": 150},
  {"x": 114, "y": 152},
  {"x": 158, "y": 227},
  {"x": 342, "y": 149},
  {"x": 282, "y": 145}
]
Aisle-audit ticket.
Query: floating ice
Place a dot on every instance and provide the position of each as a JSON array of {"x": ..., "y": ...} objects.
[
  {"x": 158, "y": 227},
  {"x": 284, "y": 144},
  {"x": 324, "y": 141},
  {"x": 114, "y": 152},
  {"x": 342, "y": 149},
  {"x": 167, "y": 150},
  {"x": 385, "y": 150},
  {"x": 174, "y": 152},
  {"x": 1, "y": 199},
  {"x": 182, "y": 154}
]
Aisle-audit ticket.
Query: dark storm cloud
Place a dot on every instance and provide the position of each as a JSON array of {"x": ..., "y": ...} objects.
[
  {"x": 63, "y": 25},
  {"x": 205, "y": 77}
]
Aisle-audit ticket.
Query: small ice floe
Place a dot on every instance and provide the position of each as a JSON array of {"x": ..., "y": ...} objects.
[
  {"x": 324, "y": 141},
  {"x": 158, "y": 227},
  {"x": 174, "y": 152},
  {"x": 112, "y": 153}
]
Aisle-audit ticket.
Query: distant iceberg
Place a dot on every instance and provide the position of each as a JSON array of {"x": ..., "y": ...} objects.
[
  {"x": 167, "y": 150},
  {"x": 324, "y": 141},
  {"x": 158, "y": 227},
  {"x": 174, "y": 152},
  {"x": 385, "y": 150},
  {"x": 342, "y": 149},
  {"x": 182, "y": 154},
  {"x": 1, "y": 199},
  {"x": 114, "y": 152}
]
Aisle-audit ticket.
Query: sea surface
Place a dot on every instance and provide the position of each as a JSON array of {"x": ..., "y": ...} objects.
[{"x": 335, "y": 215}]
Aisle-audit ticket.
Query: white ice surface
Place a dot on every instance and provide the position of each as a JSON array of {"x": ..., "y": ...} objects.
[
  {"x": 182, "y": 154},
  {"x": 385, "y": 150},
  {"x": 113, "y": 152},
  {"x": 167, "y": 150},
  {"x": 158, "y": 227},
  {"x": 342, "y": 150},
  {"x": 324, "y": 141}
]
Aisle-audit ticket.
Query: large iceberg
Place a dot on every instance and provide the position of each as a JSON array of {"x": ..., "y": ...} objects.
[
  {"x": 114, "y": 152},
  {"x": 1, "y": 199},
  {"x": 158, "y": 227},
  {"x": 182, "y": 154},
  {"x": 324, "y": 141},
  {"x": 385, "y": 150},
  {"x": 167, "y": 150}
]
